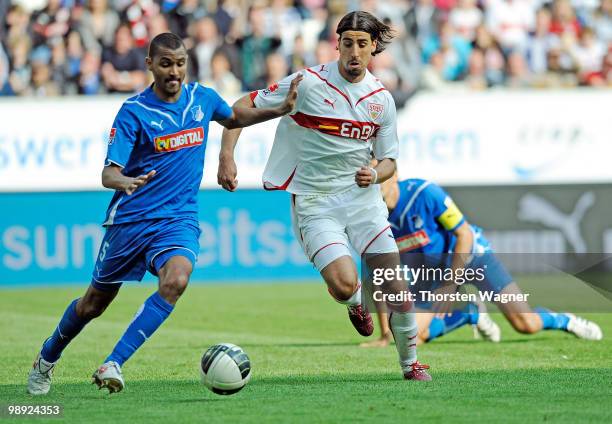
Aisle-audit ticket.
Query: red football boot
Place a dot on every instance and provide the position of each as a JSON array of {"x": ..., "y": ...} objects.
[
  {"x": 361, "y": 319},
  {"x": 417, "y": 372}
]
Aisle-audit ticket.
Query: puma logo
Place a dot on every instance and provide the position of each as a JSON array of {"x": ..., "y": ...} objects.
[
  {"x": 329, "y": 102},
  {"x": 533, "y": 208},
  {"x": 142, "y": 333},
  {"x": 158, "y": 124}
]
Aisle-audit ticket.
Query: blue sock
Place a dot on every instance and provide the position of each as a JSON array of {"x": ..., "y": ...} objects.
[
  {"x": 69, "y": 326},
  {"x": 552, "y": 320},
  {"x": 151, "y": 315},
  {"x": 460, "y": 317}
]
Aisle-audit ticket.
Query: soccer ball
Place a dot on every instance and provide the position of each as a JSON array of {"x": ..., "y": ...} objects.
[{"x": 225, "y": 368}]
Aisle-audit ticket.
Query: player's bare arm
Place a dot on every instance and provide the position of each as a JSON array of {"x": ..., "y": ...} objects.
[
  {"x": 113, "y": 178},
  {"x": 380, "y": 173},
  {"x": 245, "y": 116},
  {"x": 227, "y": 172}
]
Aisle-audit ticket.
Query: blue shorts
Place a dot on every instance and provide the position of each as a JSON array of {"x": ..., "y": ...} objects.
[
  {"x": 496, "y": 276},
  {"x": 129, "y": 250}
]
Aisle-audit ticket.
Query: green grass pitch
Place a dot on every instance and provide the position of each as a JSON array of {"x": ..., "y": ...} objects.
[{"x": 307, "y": 366}]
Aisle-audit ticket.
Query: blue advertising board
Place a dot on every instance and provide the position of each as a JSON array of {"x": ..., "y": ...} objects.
[{"x": 50, "y": 238}]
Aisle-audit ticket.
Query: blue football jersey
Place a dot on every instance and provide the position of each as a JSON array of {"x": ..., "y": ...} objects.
[
  {"x": 424, "y": 219},
  {"x": 170, "y": 138}
]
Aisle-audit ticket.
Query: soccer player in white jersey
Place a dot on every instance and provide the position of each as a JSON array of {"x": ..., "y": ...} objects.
[{"x": 321, "y": 154}]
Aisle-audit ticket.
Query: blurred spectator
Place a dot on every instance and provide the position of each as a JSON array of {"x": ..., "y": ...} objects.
[
  {"x": 223, "y": 18},
  {"x": 518, "y": 71},
  {"x": 588, "y": 56},
  {"x": 454, "y": 49},
  {"x": 254, "y": 48},
  {"x": 137, "y": 14},
  {"x": 206, "y": 41},
  {"x": 465, "y": 18},
  {"x": 325, "y": 52},
  {"x": 300, "y": 58},
  {"x": 157, "y": 24},
  {"x": 602, "y": 22},
  {"x": 493, "y": 57},
  {"x": 74, "y": 53},
  {"x": 20, "y": 74},
  {"x": 17, "y": 23},
  {"x": 58, "y": 65},
  {"x": 282, "y": 20},
  {"x": 510, "y": 22},
  {"x": 51, "y": 21},
  {"x": 540, "y": 42},
  {"x": 432, "y": 77},
  {"x": 98, "y": 25},
  {"x": 421, "y": 21},
  {"x": 123, "y": 65},
  {"x": 276, "y": 70},
  {"x": 564, "y": 19},
  {"x": 183, "y": 16},
  {"x": 221, "y": 77},
  {"x": 42, "y": 85},
  {"x": 88, "y": 81},
  {"x": 476, "y": 78}
]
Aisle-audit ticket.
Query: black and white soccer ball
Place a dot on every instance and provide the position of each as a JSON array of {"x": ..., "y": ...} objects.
[{"x": 225, "y": 368}]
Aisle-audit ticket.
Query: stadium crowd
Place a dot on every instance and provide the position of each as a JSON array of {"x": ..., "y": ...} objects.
[{"x": 64, "y": 47}]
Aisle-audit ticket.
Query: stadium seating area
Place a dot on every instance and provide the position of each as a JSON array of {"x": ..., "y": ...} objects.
[{"x": 64, "y": 47}]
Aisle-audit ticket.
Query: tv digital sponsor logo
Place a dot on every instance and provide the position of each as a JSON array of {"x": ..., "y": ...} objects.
[{"x": 179, "y": 140}]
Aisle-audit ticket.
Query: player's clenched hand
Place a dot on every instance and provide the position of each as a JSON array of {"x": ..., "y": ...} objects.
[
  {"x": 364, "y": 177},
  {"x": 226, "y": 175},
  {"x": 135, "y": 183},
  {"x": 292, "y": 95}
]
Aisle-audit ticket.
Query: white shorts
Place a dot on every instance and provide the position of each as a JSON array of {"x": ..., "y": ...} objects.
[{"x": 328, "y": 225}]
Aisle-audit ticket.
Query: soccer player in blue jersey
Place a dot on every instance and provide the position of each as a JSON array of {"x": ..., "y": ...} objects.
[
  {"x": 154, "y": 163},
  {"x": 427, "y": 222}
]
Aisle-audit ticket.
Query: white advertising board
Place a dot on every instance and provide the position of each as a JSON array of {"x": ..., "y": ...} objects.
[{"x": 497, "y": 137}]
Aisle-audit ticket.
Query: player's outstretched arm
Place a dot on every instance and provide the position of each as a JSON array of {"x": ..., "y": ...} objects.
[
  {"x": 250, "y": 115},
  {"x": 114, "y": 179},
  {"x": 380, "y": 173}
]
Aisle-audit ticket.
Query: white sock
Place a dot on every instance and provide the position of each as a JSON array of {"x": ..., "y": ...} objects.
[
  {"x": 404, "y": 328},
  {"x": 354, "y": 300}
]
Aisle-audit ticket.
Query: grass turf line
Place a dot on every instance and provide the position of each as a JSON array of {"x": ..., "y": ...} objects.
[{"x": 306, "y": 365}]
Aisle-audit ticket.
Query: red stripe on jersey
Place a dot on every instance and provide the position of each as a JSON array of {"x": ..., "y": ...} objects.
[
  {"x": 371, "y": 94},
  {"x": 337, "y": 127},
  {"x": 252, "y": 95},
  {"x": 270, "y": 187},
  {"x": 375, "y": 237},
  {"x": 331, "y": 85}
]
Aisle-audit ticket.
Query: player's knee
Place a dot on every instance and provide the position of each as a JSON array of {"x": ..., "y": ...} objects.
[
  {"x": 173, "y": 285},
  {"x": 343, "y": 288},
  {"x": 526, "y": 323}
]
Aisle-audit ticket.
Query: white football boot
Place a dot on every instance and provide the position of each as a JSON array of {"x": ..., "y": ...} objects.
[
  {"x": 109, "y": 376},
  {"x": 39, "y": 379},
  {"x": 583, "y": 328},
  {"x": 486, "y": 327}
]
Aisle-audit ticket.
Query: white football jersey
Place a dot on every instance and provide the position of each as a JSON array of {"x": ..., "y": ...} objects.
[{"x": 329, "y": 135}]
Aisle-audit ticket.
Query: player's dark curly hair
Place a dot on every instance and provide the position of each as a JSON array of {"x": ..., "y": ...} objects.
[
  {"x": 366, "y": 22},
  {"x": 165, "y": 40}
]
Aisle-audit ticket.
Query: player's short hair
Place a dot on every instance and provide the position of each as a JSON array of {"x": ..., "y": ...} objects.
[
  {"x": 366, "y": 22},
  {"x": 165, "y": 40}
]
